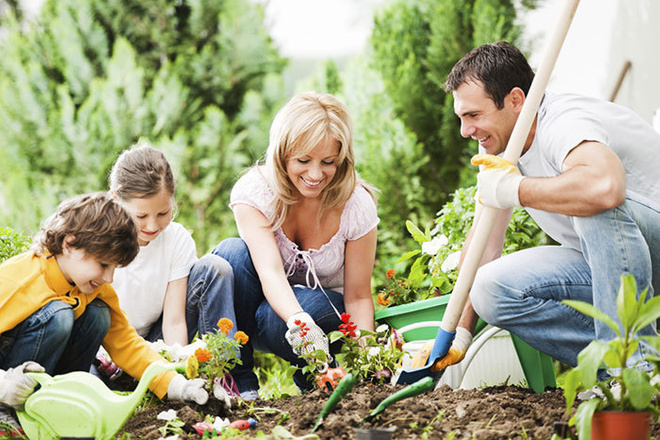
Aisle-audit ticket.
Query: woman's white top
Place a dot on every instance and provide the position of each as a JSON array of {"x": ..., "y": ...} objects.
[{"x": 324, "y": 266}]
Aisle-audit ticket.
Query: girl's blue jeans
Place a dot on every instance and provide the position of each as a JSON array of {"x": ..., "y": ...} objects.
[
  {"x": 209, "y": 297},
  {"x": 51, "y": 337},
  {"x": 522, "y": 292},
  {"x": 256, "y": 317}
]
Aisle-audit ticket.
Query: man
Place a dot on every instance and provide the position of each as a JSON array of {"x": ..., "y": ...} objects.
[{"x": 589, "y": 175}]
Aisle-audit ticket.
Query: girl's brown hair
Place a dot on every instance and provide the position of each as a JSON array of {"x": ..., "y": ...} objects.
[
  {"x": 141, "y": 171},
  {"x": 99, "y": 225}
]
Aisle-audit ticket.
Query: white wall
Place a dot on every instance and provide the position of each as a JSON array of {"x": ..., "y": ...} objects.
[{"x": 603, "y": 35}]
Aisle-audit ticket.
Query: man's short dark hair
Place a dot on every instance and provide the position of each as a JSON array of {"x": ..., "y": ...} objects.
[{"x": 499, "y": 66}]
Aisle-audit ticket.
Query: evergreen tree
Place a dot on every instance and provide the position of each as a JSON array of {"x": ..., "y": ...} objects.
[
  {"x": 415, "y": 44},
  {"x": 91, "y": 77}
]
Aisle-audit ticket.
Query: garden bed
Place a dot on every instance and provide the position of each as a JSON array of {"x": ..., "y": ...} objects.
[{"x": 499, "y": 412}]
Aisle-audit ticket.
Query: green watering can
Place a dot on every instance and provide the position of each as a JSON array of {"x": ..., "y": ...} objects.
[{"x": 79, "y": 404}]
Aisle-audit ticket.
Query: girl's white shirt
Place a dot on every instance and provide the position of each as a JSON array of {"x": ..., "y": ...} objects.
[
  {"x": 141, "y": 285},
  {"x": 307, "y": 266}
]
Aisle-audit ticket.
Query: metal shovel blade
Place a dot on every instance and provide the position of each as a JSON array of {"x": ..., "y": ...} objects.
[{"x": 443, "y": 340}]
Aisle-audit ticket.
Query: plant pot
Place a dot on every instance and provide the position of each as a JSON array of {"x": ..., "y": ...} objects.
[
  {"x": 611, "y": 425},
  {"x": 431, "y": 309}
]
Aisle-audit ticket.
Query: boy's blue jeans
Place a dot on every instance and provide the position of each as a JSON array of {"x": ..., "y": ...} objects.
[
  {"x": 522, "y": 292},
  {"x": 209, "y": 297},
  {"x": 259, "y": 321},
  {"x": 51, "y": 337}
]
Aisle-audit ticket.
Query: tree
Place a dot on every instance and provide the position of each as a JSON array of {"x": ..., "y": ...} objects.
[
  {"x": 415, "y": 45},
  {"x": 94, "y": 76}
]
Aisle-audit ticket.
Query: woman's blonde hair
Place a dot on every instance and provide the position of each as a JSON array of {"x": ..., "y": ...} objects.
[{"x": 303, "y": 123}]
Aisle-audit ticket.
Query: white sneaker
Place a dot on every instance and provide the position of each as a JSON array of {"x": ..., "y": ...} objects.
[
  {"x": 596, "y": 392},
  {"x": 250, "y": 395}
]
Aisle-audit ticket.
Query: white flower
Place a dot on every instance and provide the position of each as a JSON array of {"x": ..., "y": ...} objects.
[
  {"x": 382, "y": 328},
  {"x": 432, "y": 247},
  {"x": 451, "y": 262},
  {"x": 373, "y": 351},
  {"x": 168, "y": 415},
  {"x": 219, "y": 423}
]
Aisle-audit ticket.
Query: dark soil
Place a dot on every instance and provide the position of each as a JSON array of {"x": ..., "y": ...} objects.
[{"x": 501, "y": 412}]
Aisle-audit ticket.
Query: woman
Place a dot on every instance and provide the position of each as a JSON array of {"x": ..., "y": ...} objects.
[{"x": 308, "y": 238}]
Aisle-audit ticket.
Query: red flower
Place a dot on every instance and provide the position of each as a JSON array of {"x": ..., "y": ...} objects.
[
  {"x": 345, "y": 317},
  {"x": 303, "y": 327},
  {"x": 390, "y": 274}
]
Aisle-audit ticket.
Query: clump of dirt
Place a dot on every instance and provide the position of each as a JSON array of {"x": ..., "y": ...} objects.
[{"x": 500, "y": 412}]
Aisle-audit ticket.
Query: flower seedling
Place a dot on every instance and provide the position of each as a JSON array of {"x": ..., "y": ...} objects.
[{"x": 368, "y": 355}]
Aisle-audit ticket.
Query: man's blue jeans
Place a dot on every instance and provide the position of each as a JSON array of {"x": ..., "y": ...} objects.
[
  {"x": 522, "y": 292},
  {"x": 259, "y": 321},
  {"x": 209, "y": 297},
  {"x": 51, "y": 337}
]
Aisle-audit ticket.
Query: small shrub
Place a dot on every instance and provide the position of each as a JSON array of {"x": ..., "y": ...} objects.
[{"x": 12, "y": 243}]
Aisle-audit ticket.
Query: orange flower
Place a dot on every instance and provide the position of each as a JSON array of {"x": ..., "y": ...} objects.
[
  {"x": 383, "y": 299},
  {"x": 202, "y": 355},
  {"x": 390, "y": 274},
  {"x": 241, "y": 337},
  {"x": 225, "y": 325}
]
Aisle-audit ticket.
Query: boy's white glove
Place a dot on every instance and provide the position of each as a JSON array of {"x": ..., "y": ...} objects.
[
  {"x": 304, "y": 337},
  {"x": 498, "y": 182},
  {"x": 16, "y": 386},
  {"x": 187, "y": 389}
]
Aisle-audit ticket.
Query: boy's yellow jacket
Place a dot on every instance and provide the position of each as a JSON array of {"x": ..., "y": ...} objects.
[{"x": 29, "y": 282}]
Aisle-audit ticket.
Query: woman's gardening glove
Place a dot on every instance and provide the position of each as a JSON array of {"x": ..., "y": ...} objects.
[
  {"x": 187, "y": 389},
  {"x": 16, "y": 386},
  {"x": 305, "y": 337},
  {"x": 497, "y": 182},
  {"x": 456, "y": 352}
]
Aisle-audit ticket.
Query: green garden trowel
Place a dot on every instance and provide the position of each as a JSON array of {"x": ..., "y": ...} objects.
[{"x": 79, "y": 404}]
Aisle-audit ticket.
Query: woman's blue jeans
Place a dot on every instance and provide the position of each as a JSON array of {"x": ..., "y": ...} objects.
[
  {"x": 209, "y": 297},
  {"x": 522, "y": 292},
  {"x": 51, "y": 337},
  {"x": 258, "y": 320}
]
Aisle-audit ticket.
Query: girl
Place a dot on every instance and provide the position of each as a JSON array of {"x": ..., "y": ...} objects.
[
  {"x": 166, "y": 291},
  {"x": 308, "y": 238}
]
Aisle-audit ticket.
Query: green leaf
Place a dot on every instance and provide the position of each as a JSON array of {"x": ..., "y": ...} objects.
[
  {"x": 640, "y": 392},
  {"x": 626, "y": 300},
  {"x": 583, "y": 416},
  {"x": 571, "y": 385},
  {"x": 649, "y": 312},
  {"x": 416, "y": 233},
  {"x": 591, "y": 310},
  {"x": 408, "y": 255},
  {"x": 589, "y": 360}
]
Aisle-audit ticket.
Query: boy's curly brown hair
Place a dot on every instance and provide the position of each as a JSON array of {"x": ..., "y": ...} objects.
[{"x": 100, "y": 226}]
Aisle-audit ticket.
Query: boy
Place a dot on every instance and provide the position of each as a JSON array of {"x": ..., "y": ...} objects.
[{"x": 58, "y": 307}]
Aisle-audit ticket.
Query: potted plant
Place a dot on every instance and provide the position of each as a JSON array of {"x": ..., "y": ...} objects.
[
  {"x": 635, "y": 401},
  {"x": 422, "y": 295}
]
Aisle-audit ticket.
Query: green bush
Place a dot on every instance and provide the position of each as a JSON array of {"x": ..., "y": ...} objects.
[
  {"x": 12, "y": 243},
  {"x": 436, "y": 262}
]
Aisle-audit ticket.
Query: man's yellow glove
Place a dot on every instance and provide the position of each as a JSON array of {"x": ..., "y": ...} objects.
[{"x": 497, "y": 182}]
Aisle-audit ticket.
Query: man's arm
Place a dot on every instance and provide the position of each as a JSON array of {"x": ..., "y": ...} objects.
[{"x": 593, "y": 180}]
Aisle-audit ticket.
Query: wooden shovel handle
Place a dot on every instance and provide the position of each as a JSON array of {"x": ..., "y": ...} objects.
[{"x": 484, "y": 226}]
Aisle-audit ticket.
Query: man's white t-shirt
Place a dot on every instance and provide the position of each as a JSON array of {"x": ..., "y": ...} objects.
[
  {"x": 141, "y": 285},
  {"x": 565, "y": 121}
]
